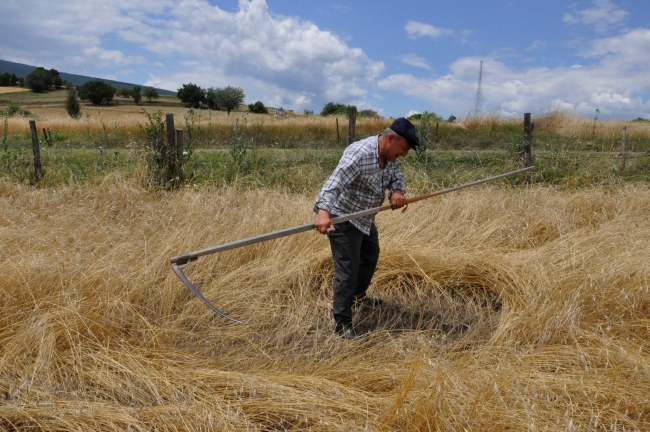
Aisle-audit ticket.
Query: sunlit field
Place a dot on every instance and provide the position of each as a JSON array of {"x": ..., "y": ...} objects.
[
  {"x": 210, "y": 128},
  {"x": 506, "y": 309},
  {"x": 13, "y": 90}
]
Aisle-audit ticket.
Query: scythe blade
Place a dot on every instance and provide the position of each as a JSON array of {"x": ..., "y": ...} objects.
[{"x": 179, "y": 272}]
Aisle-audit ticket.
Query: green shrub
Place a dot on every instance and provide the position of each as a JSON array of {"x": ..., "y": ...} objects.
[
  {"x": 428, "y": 116},
  {"x": 150, "y": 93},
  {"x": 257, "y": 108},
  {"x": 135, "y": 93},
  {"x": 159, "y": 154},
  {"x": 123, "y": 92},
  {"x": 368, "y": 113},
  {"x": 72, "y": 105},
  {"x": 97, "y": 92},
  {"x": 39, "y": 80},
  {"x": 192, "y": 94},
  {"x": 7, "y": 79},
  {"x": 15, "y": 110},
  {"x": 331, "y": 108}
]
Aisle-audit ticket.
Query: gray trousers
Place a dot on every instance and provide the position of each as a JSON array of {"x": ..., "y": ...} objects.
[{"x": 355, "y": 258}]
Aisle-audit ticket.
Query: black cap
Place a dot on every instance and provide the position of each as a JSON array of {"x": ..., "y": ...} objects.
[{"x": 403, "y": 127}]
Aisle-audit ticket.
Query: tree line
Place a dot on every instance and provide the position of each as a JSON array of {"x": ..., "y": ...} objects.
[
  {"x": 8, "y": 80},
  {"x": 225, "y": 99}
]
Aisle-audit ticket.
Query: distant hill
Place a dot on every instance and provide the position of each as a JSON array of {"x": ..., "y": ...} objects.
[{"x": 21, "y": 70}]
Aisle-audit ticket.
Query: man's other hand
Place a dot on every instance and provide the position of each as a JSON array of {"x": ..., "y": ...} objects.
[
  {"x": 323, "y": 222},
  {"x": 397, "y": 199}
]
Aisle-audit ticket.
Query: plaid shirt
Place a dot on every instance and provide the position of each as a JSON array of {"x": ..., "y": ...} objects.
[{"x": 359, "y": 183}]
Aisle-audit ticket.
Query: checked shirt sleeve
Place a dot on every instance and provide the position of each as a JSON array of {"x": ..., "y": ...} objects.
[
  {"x": 397, "y": 182},
  {"x": 344, "y": 174}
]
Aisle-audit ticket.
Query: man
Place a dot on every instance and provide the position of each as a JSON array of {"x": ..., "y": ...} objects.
[{"x": 366, "y": 170}]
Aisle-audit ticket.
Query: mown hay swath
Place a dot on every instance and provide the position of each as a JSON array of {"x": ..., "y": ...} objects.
[{"x": 506, "y": 309}]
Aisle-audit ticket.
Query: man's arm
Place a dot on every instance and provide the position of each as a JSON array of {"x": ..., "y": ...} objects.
[
  {"x": 397, "y": 189},
  {"x": 343, "y": 175}
]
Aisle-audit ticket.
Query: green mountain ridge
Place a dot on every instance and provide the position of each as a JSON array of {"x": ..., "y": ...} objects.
[{"x": 21, "y": 70}]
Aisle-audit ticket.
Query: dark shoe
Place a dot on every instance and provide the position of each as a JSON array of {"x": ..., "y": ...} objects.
[
  {"x": 346, "y": 331},
  {"x": 368, "y": 301}
]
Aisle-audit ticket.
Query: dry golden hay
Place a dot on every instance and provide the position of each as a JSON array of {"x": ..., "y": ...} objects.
[
  {"x": 132, "y": 118},
  {"x": 506, "y": 309},
  {"x": 6, "y": 90},
  {"x": 126, "y": 118}
]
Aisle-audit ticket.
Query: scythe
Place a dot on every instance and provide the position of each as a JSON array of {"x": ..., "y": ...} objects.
[{"x": 181, "y": 262}]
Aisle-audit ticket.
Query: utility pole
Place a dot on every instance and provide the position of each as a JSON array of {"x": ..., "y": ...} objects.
[{"x": 478, "y": 90}]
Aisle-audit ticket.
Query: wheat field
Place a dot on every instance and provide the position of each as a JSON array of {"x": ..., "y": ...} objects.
[
  {"x": 506, "y": 309},
  {"x": 128, "y": 119}
]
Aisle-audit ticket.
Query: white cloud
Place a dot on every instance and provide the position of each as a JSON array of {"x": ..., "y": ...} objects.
[
  {"x": 288, "y": 54},
  {"x": 284, "y": 58},
  {"x": 603, "y": 16},
  {"x": 68, "y": 35},
  {"x": 415, "y": 60},
  {"x": 614, "y": 84},
  {"x": 417, "y": 29}
]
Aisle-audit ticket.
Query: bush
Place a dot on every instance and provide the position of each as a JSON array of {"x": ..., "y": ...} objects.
[
  {"x": 7, "y": 79},
  {"x": 15, "y": 110},
  {"x": 135, "y": 93},
  {"x": 97, "y": 92},
  {"x": 124, "y": 92},
  {"x": 150, "y": 93},
  {"x": 334, "y": 108},
  {"x": 212, "y": 98},
  {"x": 57, "y": 82},
  {"x": 427, "y": 116},
  {"x": 72, "y": 105},
  {"x": 192, "y": 94},
  {"x": 257, "y": 108},
  {"x": 39, "y": 80},
  {"x": 160, "y": 157},
  {"x": 368, "y": 113}
]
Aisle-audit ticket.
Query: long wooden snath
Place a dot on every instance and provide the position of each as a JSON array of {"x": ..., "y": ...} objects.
[{"x": 180, "y": 262}]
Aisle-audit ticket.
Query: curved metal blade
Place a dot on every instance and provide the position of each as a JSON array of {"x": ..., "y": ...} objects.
[{"x": 179, "y": 272}]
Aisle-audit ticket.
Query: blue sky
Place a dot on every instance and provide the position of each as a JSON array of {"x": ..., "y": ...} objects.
[{"x": 394, "y": 57}]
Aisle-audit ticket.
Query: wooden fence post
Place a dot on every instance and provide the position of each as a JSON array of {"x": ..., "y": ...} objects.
[
  {"x": 171, "y": 141},
  {"x": 528, "y": 140},
  {"x": 36, "y": 150},
  {"x": 180, "y": 144},
  {"x": 171, "y": 134},
  {"x": 623, "y": 145},
  {"x": 353, "y": 124},
  {"x": 338, "y": 138}
]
